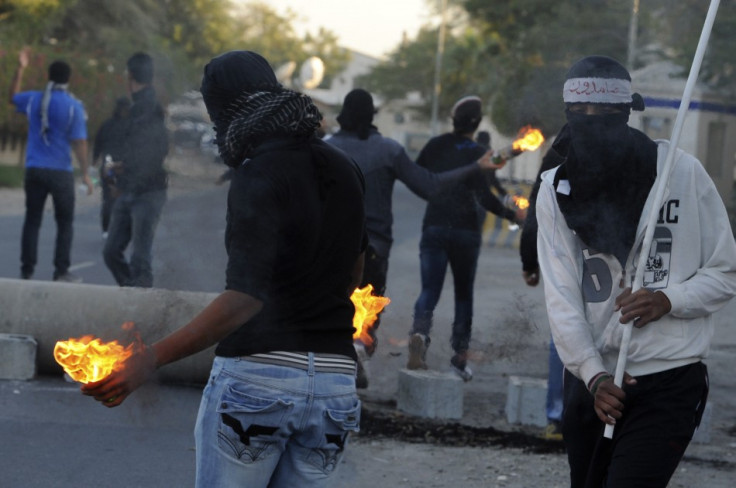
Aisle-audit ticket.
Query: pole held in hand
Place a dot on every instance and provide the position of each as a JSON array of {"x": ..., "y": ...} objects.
[{"x": 663, "y": 181}]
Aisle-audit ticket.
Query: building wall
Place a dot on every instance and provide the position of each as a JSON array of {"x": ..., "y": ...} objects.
[{"x": 709, "y": 127}]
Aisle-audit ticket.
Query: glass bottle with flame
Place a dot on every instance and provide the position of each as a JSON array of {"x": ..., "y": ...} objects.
[{"x": 528, "y": 139}]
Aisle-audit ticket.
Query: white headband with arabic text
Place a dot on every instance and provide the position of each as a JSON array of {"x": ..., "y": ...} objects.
[{"x": 597, "y": 90}]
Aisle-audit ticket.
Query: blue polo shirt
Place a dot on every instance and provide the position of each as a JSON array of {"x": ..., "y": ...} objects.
[{"x": 67, "y": 122}]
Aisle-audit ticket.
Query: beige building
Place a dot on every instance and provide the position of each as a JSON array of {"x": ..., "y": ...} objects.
[{"x": 709, "y": 128}]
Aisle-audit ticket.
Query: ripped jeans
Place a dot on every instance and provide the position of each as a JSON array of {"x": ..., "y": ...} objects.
[{"x": 264, "y": 425}]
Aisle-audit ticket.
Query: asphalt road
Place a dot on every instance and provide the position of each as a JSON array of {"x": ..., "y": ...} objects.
[{"x": 189, "y": 251}]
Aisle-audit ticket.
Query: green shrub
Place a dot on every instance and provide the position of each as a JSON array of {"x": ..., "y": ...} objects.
[{"x": 11, "y": 176}]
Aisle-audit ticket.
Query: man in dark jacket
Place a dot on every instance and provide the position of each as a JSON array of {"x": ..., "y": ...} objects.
[
  {"x": 383, "y": 161},
  {"x": 451, "y": 235},
  {"x": 108, "y": 146},
  {"x": 141, "y": 180}
]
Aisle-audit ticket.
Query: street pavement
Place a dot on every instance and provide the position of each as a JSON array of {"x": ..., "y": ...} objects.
[{"x": 50, "y": 435}]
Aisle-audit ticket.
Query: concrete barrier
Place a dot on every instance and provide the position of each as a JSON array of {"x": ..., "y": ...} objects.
[
  {"x": 430, "y": 394},
  {"x": 17, "y": 357},
  {"x": 52, "y": 311},
  {"x": 525, "y": 401}
]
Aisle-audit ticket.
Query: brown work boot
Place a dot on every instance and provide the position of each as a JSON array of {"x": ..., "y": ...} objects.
[{"x": 417, "y": 352}]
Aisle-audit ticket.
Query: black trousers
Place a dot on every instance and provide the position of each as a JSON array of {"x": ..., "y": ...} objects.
[
  {"x": 38, "y": 184},
  {"x": 108, "y": 199},
  {"x": 660, "y": 416}
]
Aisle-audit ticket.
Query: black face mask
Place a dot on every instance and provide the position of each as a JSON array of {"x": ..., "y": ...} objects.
[
  {"x": 600, "y": 148},
  {"x": 611, "y": 168}
]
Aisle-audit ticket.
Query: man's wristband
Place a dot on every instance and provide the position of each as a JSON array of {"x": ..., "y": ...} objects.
[{"x": 596, "y": 382}]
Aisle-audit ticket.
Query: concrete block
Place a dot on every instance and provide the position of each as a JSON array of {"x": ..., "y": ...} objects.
[
  {"x": 430, "y": 394},
  {"x": 525, "y": 401},
  {"x": 702, "y": 435},
  {"x": 17, "y": 357}
]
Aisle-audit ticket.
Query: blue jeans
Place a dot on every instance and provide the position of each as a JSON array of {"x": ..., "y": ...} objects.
[
  {"x": 134, "y": 219},
  {"x": 262, "y": 425},
  {"x": 439, "y": 247},
  {"x": 554, "y": 385},
  {"x": 38, "y": 184}
]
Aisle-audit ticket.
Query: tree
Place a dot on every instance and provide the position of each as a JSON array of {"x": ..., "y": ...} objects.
[
  {"x": 521, "y": 50},
  {"x": 678, "y": 24},
  {"x": 538, "y": 41},
  {"x": 96, "y": 38},
  {"x": 512, "y": 54},
  {"x": 466, "y": 69},
  {"x": 272, "y": 35}
]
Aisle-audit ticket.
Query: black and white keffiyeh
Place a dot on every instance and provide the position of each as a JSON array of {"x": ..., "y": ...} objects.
[
  {"x": 45, "y": 102},
  {"x": 255, "y": 117},
  {"x": 248, "y": 105}
]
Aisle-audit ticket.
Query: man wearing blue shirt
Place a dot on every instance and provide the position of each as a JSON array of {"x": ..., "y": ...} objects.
[{"x": 57, "y": 124}]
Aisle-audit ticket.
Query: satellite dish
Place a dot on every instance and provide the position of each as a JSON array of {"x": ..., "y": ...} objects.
[
  {"x": 311, "y": 73},
  {"x": 285, "y": 72}
]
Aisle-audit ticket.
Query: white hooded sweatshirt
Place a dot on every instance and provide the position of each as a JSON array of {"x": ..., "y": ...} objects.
[{"x": 692, "y": 260}]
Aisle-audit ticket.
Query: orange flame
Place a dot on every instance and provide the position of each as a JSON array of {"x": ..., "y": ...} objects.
[
  {"x": 367, "y": 308},
  {"x": 528, "y": 139},
  {"x": 520, "y": 202},
  {"x": 88, "y": 359}
]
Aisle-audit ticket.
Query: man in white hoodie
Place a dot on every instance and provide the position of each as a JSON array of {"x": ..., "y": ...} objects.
[{"x": 592, "y": 212}]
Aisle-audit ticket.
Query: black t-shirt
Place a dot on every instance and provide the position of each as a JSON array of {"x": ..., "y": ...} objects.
[
  {"x": 463, "y": 205},
  {"x": 295, "y": 227}
]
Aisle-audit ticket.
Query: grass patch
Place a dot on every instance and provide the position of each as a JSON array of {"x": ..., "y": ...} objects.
[{"x": 11, "y": 176}]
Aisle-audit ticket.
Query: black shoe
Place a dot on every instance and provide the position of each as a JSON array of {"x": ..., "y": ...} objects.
[
  {"x": 67, "y": 277},
  {"x": 24, "y": 275}
]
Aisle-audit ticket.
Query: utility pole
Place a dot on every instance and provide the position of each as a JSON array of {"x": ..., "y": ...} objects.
[
  {"x": 438, "y": 69},
  {"x": 633, "y": 28}
]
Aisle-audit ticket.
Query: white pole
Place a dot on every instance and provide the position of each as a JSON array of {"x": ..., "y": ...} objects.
[
  {"x": 633, "y": 28},
  {"x": 438, "y": 70},
  {"x": 661, "y": 187}
]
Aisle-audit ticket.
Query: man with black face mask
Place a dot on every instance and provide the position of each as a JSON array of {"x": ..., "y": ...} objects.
[
  {"x": 592, "y": 212},
  {"x": 281, "y": 402}
]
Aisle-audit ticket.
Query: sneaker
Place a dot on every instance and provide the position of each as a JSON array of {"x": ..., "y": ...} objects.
[
  {"x": 67, "y": 277},
  {"x": 553, "y": 431},
  {"x": 25, "y": 275},
  {"x": 417, "y": 352},
  {"x": 104, "y": 236},
  {"x": 459, "y": 364}
]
